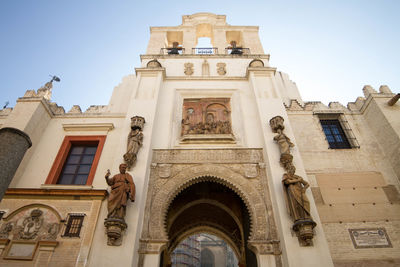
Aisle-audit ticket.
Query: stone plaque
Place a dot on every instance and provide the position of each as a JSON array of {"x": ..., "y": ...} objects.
[
  {"x": 21, "y": 250},
  {"x": 370, "y": 238}
]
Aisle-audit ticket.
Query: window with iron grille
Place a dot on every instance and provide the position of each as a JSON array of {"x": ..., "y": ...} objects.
[
  {"x": 74, "y": 225},
  {"x": 335, "y": 134}
]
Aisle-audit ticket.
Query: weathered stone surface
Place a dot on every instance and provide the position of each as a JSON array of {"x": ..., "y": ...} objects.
[{"x": 13, "y": 145}]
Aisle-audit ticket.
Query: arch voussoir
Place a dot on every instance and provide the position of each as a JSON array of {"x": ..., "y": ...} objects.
[{"x": 213, "y": 173}]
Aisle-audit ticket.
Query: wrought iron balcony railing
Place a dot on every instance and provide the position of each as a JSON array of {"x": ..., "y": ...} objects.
[
  {"x": 205, "y": 51},
  {"x": 237, "y": 51},
  {"x": 172, "y": 51}
]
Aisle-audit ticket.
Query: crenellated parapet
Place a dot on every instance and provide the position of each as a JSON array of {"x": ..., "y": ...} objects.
[{"x": 336, "y": 107}]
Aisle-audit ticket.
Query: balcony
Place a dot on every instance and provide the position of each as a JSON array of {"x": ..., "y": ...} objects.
[
  {"x": 172, "y": 51},
  {"x": 205, "y": 51},
  {"x": 237, "y": 51}
]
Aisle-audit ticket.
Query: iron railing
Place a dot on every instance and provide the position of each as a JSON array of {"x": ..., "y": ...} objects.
[
  {"x": 205, "y": 50},
  {"x": 172, "y": 51},
  {"x": 237, "y": 51}
]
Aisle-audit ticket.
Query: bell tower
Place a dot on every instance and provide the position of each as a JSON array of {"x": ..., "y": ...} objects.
[
  {"x": 208, "y": 112},
  {"x": 204, "y": 25}
]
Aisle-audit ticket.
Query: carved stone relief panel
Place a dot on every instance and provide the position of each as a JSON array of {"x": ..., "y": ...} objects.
[
  {"x": 221, "y": 68},
  {"x": 31, "y": 223},
  {"x": 250, "y": 170},
  {"x": 164, "y": 170},
  {"x": 206, "y": 116},
  {"x": 189, "y": 68}
]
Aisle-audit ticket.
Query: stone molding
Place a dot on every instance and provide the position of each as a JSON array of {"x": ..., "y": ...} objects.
[
  {"x": 58, "y": 193},
  {"x": 243, "y": 56},
  {"x": 88, "y": 126},
  {"x": 235, "y": 155}
]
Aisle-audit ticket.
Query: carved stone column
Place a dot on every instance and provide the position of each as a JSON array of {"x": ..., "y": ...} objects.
[{"x": 13, "y": 145}]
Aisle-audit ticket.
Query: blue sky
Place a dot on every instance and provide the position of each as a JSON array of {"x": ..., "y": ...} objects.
[{"x": 331, "y": 49}]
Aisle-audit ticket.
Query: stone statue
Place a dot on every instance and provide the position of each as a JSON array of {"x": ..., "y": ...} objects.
[
  {"x": 45, "y": 90},
  {"x": 135, "y": 141},
  {"x": 122, "y": 188},
  {"x": 185, "y": 125},
  {"x": 295, "y": 188},
  {"x": 284, "y": 142}
]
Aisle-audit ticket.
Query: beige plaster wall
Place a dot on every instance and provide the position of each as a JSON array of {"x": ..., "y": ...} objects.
[
  {"x": 71, "y": 251},
  {"x": 353, "y": 188}
]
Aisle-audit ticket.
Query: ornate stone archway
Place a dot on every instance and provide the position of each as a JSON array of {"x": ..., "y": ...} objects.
[{"x": 240, "y": 170}]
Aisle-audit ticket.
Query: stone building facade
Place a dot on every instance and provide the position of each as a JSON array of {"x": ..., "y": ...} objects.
[{"x": 217, "y": 141}]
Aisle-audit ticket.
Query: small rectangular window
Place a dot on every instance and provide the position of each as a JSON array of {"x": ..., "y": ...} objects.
[
  {"x": 74, "y": 225},
  {"x": 2, "y": 214},
  {"x": 335, "y": 134}
]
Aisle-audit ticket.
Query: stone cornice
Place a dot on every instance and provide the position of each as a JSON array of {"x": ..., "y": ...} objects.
[
  {"x": 75, "y": 194},
  {"x": 88, "y": 126},
  {"x": 252, "y": 56},
  {"x": 221, "y": 155},
  {"x": 267, "y": 71},
  {"x": 150, "y": 70},
  {"x": 213, "y": 78}
]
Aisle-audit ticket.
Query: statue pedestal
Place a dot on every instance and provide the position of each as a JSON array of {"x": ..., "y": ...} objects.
[
  {"x": 304, "y": 229},
  {"x": 115, "y": 228}
]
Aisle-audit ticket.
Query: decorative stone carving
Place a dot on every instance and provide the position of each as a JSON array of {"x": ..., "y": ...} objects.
[
  {"x": 250, "y": 170},
  {"x": 205, "y": 68},
  {"x": 122, "y": 188},
  {"x": 183, "y": 156},
  {"x": 206, "y": 116},
  {"x": 294, "y": 186},
  {"x": 256, "y": 63},
  {"x": 45, "y": 91},
  {"x": 154, "y": 64},
  {"x": 151, "y": 246},
  {"x": 266, "y": 247},
  {"x": 6, "y": 229},
  {"x": 215, "y": 166},
  {"x": 164, "y": 170},
  {"x": 31, "y": 225},
  {"x": 283, "y": 141},
  {"x": 135, "y": 140},
  {"x": 221, "y": 68},
  {"x": 189, "y": 69},
  {"x": 276, "y": 124},
  {"x": 52, "y": 231},
  {"x": 114, "y": 229}
]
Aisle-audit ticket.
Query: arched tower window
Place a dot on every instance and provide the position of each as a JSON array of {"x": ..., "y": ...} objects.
[{"x": 207, "y": 258}]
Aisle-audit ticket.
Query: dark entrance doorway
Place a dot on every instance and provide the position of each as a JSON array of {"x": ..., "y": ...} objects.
[{"x": 208, "y": 206}]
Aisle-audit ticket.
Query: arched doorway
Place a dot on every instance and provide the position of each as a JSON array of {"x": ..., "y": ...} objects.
[
  {"x": 218, "y": 191},
  {"x": 207, "y": 258},
  {"x": 212, "y": 207}
]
